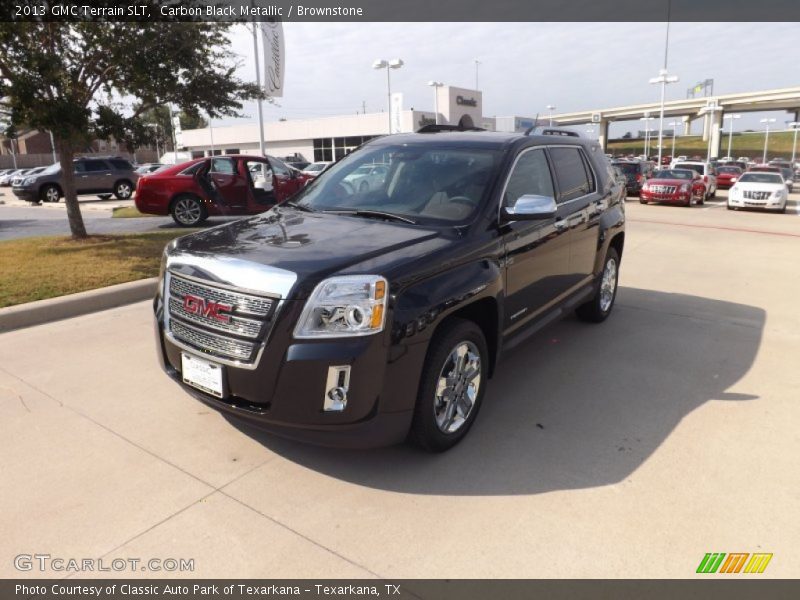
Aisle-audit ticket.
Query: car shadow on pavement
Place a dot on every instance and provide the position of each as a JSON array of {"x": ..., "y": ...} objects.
[{"x": 576, "y": 406}]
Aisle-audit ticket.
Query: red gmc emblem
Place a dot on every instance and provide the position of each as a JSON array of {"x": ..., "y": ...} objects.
[{"x": 207, "y": 308}]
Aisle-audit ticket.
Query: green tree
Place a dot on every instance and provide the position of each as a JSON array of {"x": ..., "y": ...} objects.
[{"x": 88, "y": 80}]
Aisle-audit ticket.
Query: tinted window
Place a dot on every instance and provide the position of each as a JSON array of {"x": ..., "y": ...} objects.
[
  {"x": 96, "y": 165},
  {"x": 122, "y": 165},
  {"x": 279, "y": 168},
  {"x": 531, "y": 175},
  {"x": 571, "y": 173},
  {"x": 222, "y": 165},
  {"x": 674, "y": 174},
  {"x": 692, "y": 167},
  {"x": 628, "y": 168}
]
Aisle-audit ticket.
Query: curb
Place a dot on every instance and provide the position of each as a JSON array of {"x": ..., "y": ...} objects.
[{"x": 73, "y": 305}]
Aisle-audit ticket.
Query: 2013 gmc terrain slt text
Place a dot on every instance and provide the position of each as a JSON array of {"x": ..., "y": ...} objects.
[{"x": 362, "y": 316}]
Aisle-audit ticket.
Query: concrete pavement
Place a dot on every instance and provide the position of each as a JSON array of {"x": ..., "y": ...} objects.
[{"x": 628, "y": 449}]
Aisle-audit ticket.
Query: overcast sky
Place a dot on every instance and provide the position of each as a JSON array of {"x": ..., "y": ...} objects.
[{"x": 524, "y": 66}]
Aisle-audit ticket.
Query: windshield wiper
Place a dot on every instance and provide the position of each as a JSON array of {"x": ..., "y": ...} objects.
[
  {"x": 298, "y": 206},
  {"x": 378, "y": 214}
]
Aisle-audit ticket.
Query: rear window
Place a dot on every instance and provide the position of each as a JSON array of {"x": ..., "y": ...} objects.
[
  {"x": 573, "y": 175},
  {"x": 121, "y": 164}
]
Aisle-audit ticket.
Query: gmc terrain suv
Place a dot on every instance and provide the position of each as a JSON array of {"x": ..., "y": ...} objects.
[
  {"x": 362, "y": 317},
  {"x": 95, "y": 175}
]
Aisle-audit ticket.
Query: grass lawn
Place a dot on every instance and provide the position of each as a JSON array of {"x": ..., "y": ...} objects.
[
  {"x": 128, "y": 212},
  {"x": 745, "y": 144},
  {"x": 46, "y": 267}
]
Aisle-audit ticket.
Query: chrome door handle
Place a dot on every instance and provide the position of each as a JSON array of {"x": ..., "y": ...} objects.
[{"x": 562, "y": 224}]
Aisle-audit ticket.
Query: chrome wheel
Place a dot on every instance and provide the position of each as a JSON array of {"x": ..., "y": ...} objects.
[
  {"x": 608, "y": 285},
  {"x": 188, "y": 211},
  {"x": 51, "y": 194},
  {"x": 124, "y": 190},
  {"x": 457, "y": 387}
]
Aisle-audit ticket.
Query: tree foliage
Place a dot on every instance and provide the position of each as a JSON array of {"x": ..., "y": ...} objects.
[{"x": 88, "y": 80}]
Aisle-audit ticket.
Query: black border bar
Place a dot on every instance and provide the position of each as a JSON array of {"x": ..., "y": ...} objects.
[{"x": 403, "y": 10}]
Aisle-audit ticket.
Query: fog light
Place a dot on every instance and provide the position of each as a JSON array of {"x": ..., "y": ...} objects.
[{"x": 336, "y": 388}]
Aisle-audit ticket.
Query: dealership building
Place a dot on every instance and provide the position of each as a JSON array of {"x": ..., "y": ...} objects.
[{"x": 330, "y": 138}]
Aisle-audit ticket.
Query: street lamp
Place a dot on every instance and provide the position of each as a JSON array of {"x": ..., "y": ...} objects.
[
  {"x": 730, "y": 130},
  {"x": 551, "y": 108},
  {"x": 394, "y": 63},
  {"x": 766, "y": 137},
  {"x": 663, "y": 78},
  {"x": 794, "y": 125},
  {"x": 647, "y": 118},
  {"x": 674, "y": 126},
  {"x": 158, "y": 152},
  {"x": 436, "y": 85},
  {"x": 477, "y": 64}
]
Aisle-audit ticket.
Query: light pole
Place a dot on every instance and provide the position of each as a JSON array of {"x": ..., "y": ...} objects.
[
  {"x": 551, "y": 108},
  {"x": 794, "y": 125},
  {"x": 394, "y": 63},
  {"x": 663, "y": 78},
  {"x": 674, "y": 126},
  {"x": 53, "y": 147},
  {"x": 261, "y": 148},
  {"x": 766, "y": 138},
  {"x": 730, "y": 131},
  {"x": 436, "y": 85},
  {"x": 477, "y": 64},
  {"x": 647, "y": 118}
]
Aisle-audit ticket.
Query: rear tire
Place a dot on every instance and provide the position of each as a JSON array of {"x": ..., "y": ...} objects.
[
  {"x": 452, "y": 386},
  {"x": 123, "y": 190},
  {"x": 599, "y": 307},
  {"x": 188, "y": 211}
]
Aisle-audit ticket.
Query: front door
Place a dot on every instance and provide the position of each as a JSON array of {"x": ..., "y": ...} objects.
[
  {"x": 230, "y": 187},
  {"x": 537, "y": 252}
]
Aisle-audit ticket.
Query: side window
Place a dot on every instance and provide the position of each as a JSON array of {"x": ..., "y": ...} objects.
[
  {"x": 79, "y": 167},
  {"x": 96, "y": 165},
  {"x": 572, "y": 173},
  {"x": 121, "y": 165},
  {"x": 224, "y": 166},
  {"x": 531, "y": 175},
  {"x": 279, "y": 168}
]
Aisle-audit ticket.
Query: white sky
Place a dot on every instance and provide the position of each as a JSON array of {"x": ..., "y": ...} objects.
[{"x": 524, "y": 66}]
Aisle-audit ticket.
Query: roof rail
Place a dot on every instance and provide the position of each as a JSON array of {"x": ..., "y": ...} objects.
[
  {"x": 562, "y": 131},
  {"x": 442, "y": 128}
]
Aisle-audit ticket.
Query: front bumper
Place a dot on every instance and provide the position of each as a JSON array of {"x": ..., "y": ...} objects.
[
  {"x": 666, "y": 198},
  {"x": 769, "y": 204},
  {"x": 24, "y": 193},
  {"x": 286, "y": 392}
]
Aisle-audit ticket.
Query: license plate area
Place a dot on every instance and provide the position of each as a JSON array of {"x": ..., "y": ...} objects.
[{"x": 204, "y": 375}]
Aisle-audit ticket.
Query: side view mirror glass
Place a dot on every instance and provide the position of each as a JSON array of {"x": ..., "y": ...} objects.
[{"x": 531, "y": 207}]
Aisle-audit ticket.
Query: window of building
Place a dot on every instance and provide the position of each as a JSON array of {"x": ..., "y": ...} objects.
[{"x": 232, "y": 151}]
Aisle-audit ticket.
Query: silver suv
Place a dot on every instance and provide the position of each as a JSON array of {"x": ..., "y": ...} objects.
[{"x": 95, "y": 175}]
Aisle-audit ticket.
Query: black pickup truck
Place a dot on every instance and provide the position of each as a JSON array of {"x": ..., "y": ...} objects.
[{"x": 365, "y": 315}]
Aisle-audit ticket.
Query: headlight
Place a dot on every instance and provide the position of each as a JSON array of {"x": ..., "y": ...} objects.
[
  {"x": 684, "y": 187},
  {"x": 28, "y": 181},
  {"x": 351, "y": 305},
  {"x": 777, "y": 193}
]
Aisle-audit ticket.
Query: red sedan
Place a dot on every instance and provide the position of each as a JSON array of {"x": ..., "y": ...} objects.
[
  {"x": 674, "y": 186},
  {"x": 222, "y": 185},
  {"x": 727, "y": 176}
]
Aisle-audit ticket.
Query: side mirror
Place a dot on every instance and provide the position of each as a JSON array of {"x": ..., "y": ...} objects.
[{"x": 531, "y": 207}]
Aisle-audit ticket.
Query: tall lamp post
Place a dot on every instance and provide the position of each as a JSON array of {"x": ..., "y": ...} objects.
[
  {"x": 394, "y": 63},
  {"x": 674, "y": 126},
  {"x": 436, "y": 85},
  {"x": 794, "y": 125},
  {"x": 551, "y": 108},
  {"x": 730, "y": 131},
  {"x": 477, "y": 64},
  {"x": 663, "y": 79},
  {"x": 766, "y": 138}
]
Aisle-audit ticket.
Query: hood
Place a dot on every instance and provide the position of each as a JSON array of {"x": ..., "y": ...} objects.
[
  {"x": 311, "y": 246},
  {"x": 766, "y": 187}
]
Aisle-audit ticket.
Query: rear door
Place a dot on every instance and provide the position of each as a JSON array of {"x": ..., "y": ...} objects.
[
  {"x": 537, "y": 252},
  {"x": 230, "y": 186},
  {"x": 98, "y": 176},
  {"x": 582, "y": 202}
]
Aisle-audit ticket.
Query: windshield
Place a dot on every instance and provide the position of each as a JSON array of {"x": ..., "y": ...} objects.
[
  {"x": 674, "y": 174},
  {"x": 730, "y": 170},
  {"x": 700, "y": 168},
  {"x": 315, "y": 167},
  {"x": 760, "y": 178},
  {"x": 54, "y": 168},
  {"x": 424, "y": 182}
]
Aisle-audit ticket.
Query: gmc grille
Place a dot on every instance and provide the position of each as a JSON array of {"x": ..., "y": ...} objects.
[{"x": 236, "y": 337}]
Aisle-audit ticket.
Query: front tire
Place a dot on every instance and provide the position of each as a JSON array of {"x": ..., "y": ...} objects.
[
  {"x": 188, "y": 211},
  {"x": 50, "y": 193},
  {"x": 599, "y": 307},
  {"x": 123, "y": 190},
  {"x": 452, "y": 386}
]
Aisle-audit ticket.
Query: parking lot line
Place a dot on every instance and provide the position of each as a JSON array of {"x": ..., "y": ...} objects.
[{"x": 718, "y": 227}]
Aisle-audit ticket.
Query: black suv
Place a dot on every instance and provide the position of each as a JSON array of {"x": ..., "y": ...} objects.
[
  {"x": 361, "y": 317},
  {"x": 636, "y": 172},
  {"x": 104, "y": 175}
]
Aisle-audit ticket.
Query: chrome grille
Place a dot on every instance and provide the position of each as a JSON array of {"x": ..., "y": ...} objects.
[
  {"x": 242, "y": 303},
  {"x": 211, "y": 342},
  {"x": 236, "y": 337},
  {"x": 756, "y": 195},
  {"x": 663, "y": 189}
]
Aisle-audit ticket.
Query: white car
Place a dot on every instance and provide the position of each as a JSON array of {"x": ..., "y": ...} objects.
[
  {"x": 316, "y": 168},
  {"x": 705, "y": 169},
  {"x": 367, "y": 177},
  {"x": 759, "y": 190}
]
